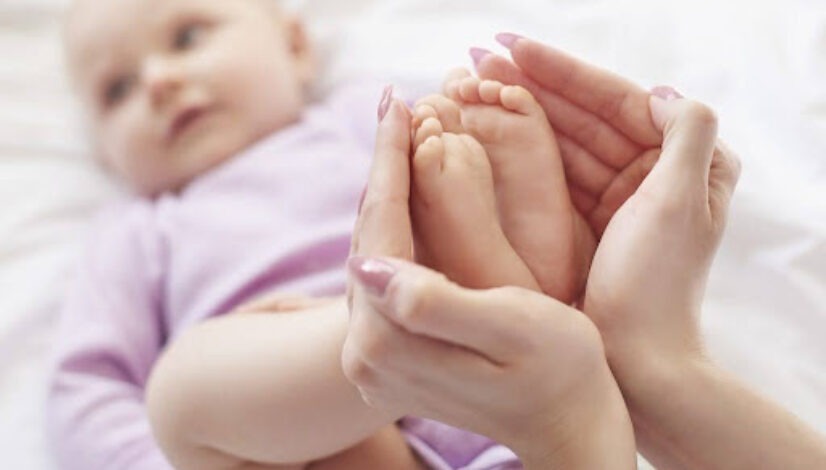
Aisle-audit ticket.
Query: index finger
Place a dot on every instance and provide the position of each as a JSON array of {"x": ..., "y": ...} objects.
[
  {"x": 615, "y": 99},
  {"x": 383, "y": 227}
]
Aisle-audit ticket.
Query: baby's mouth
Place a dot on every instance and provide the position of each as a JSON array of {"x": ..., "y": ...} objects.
[{"x": 184, "y": 120}]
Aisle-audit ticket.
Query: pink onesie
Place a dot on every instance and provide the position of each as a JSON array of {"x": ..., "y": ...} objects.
[{"x": 277, "y": 217}]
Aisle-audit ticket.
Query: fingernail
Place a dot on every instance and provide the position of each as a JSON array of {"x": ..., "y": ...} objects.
[
  {"x": 666, "y": 92},
  {"x": 477, "y": 54},
  {"x": 386, "y": 100},
  {"x": 361, "y": 199},
  {"x": 507, "y": 39},
  {"x": 373, "y": 274}
]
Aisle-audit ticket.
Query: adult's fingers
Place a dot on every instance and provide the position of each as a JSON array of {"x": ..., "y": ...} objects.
[
  {"x": 612, "y": 148},
  {"x": 383, "y": 227},
  {"x": 615, "y": 99},
  {"x": 379, "y": 352},
  {"x": 690, "y": 135},
  {"x": 426, "y": 303}
]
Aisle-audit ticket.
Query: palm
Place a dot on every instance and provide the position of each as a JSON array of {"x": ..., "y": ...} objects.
[
  {"x": 602, "y": 124},
  {"x": 601, "y": 121}
]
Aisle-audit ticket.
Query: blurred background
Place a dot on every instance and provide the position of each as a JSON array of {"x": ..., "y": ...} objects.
[{"x": 762, "y": 65}]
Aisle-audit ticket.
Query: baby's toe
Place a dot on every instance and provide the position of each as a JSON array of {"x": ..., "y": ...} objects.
[
  {"x": 421, "y": 112},
  {"x": 450, "y": 86},
  {"x": 469, "y": 90},
  {"x": 428, "y": 162},
  {"x": 446, "y": 110},
  {"x": 431, "y": 127},
  {"x": 490, "y": 91},
  {"x": 519, "y": 100}
]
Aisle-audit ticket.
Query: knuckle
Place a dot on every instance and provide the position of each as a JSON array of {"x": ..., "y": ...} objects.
[
  {"x": 736, "y": 165},
  {"x": 417, "y": 304},
  {"x": 700, "y": 113}
]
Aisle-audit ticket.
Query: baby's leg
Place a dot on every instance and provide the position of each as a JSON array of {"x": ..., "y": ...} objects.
[
  {"x": 266, "y": 391},
  {"x": 532, "y": 195},
  {"x": 453, "y": 206}
]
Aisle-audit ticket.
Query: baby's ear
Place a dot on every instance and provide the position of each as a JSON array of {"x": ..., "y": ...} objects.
[{"x": 301, "y": 49}]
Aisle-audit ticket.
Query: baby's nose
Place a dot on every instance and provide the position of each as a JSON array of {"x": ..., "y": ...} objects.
[{"x": 163, "y": 79}]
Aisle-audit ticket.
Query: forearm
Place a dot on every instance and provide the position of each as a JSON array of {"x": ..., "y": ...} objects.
[
  {"x": 268, "y": 387},
  {"x": 693, "y": 415}
]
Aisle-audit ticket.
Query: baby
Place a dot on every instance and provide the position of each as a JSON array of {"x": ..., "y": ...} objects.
[{"x": 243, "y": 189}]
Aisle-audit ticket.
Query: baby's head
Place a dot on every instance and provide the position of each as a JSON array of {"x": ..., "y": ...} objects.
[{"x": 176, "y": 87}]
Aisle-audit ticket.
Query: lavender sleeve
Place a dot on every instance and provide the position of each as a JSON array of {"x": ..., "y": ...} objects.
[{"x": 110, "y": 334}]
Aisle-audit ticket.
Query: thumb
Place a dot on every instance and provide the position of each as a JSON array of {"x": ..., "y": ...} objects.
[
  {"x": 383, "y": 227},
  {"x": 495, "y": 323},
  {"x": 689, "y": 135}
]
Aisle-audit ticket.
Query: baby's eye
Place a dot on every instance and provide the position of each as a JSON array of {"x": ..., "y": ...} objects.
[
  {"x": 117, "y": 90},
  {"x": 188, "y": 35}
]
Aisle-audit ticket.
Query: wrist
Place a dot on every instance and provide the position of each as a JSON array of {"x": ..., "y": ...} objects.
[
  {"x": 647, "y": 373},
  {"x": 592, "y": 431},
  {"x": 659, "y": 389},
  {"x": 652, "y": 353}
]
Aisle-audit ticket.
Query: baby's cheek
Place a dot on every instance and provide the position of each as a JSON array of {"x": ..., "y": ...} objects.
[{"x": 132, "y": 152}]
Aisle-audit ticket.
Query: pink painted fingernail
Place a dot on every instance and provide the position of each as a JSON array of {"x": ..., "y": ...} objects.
[
  {"x": 372, "y": 273},
  {"x": 477, "y": 54},
  {"x": 507, "y": 39},
  {"x": 666, "y": 92},
  {"x": 386, "y": 101}
]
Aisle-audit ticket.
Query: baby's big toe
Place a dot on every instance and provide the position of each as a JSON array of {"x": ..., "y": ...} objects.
[{"x": 520, "y": 100}]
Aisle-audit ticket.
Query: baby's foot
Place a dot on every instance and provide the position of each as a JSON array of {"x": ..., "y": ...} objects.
[
  {"x": 453, "y": 207},
  {"x": 532, "y": 196}
]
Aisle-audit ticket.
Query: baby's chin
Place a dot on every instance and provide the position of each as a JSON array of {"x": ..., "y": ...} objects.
[
  {"x": 173, "y": 171},
  {"x": 210, "y": 144}
]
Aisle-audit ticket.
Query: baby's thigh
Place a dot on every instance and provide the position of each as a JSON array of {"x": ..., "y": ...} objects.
[{"x": 387, "y": 449}]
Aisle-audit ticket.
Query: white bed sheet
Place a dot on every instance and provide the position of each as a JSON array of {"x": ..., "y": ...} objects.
[{"x": 763, "y": 66}]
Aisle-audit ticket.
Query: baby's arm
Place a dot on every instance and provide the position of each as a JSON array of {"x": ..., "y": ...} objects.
[
  {"x": 108, "y": 338},
  {"x": 268, "y": 388}
]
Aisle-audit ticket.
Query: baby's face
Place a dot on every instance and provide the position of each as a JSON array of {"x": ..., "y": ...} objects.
[{"x": 178, "y": 86}]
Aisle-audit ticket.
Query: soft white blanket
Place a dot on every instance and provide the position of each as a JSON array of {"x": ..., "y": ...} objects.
[{"x": 762, "y": 65}]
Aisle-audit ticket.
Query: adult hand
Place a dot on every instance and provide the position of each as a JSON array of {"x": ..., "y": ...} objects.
[
  {"x": 514, "y": 365},
  {"x": 601, "y": 122},
  {"x": 611, "y": 133},
  {"x": 649, "y": 274},
  {"x": 645, "y": 292}
]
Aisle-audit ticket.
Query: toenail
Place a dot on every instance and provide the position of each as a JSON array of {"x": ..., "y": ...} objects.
[{"x": 477, "y": 54}]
